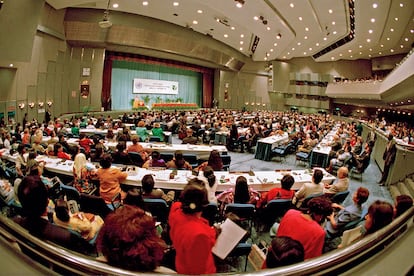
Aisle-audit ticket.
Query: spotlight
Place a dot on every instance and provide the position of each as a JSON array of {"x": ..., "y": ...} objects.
[
  {"x": 239, "y": 3},
  {"x": 278, "y": 36}
]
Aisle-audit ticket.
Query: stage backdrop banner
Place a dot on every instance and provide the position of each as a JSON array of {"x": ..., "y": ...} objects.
[{"x": 148, "y": 86}]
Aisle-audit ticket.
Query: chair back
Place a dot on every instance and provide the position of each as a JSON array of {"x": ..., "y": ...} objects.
[
  {"x": 275, "y": 210},
  {"x": 226, "y": 159},
  {"x": 309, "y": 197},
  {"x": 241, "y": 249},
  {"x": 192, "y": 159},
  {"x": 154, "y": 139},
  {"x": 158, "y": 208},
  {"x": 94, "y": 204},
  {"x": 167, "y": 156},
  {"x": 70, "y": 192},
  {"x": 245, "y": 212},
  {"x": 136, "y": 158},
  {"x": 340, "y": 197},
  {"x": 210, "y": 213}
]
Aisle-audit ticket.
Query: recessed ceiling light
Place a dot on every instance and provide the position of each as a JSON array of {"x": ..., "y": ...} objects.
[
  {"x": 11, "y": 65},
  {"x": 241, "y": 42},
  {"x": 267, "y": 54},
  {"x": 333, "y": 22},
  {"x": 380, "y": 53},
  {"x": 401, "y": 46},
  {"x": 396, "y": 19},
  {"x": 349, "y": 51},
  {"x": 406, "y": 39},
  {"x": 373, "y": 20},
  {"x": 330, "y": 11},
  {"x": 351, "y": 56},
  {"x": 115, "y": 5},
  {"x": 195, "y": 22},
  {"x": 388, "y": 38},
  {"x": 412, "y": 31},
  {"x": 299, "y": 43},
  {"x": 300, "y": 18},
  {"x": 340, "y": 55},
  {"x": 292, "y": 5},
  {"x": 256, "y": 18},
  {"x": 382, "y": 45},
  {"x": 145, "y": 3},
  {"x": 332, "y": 58},
  {"x": 370, "y": 49},
  {"x": 288, "y": 53},
  {"x": 317, "y": 44},
  {"x": 375, "y": 5},
  {"x": 310, "y": 49},
  {"x": 392, "y": 29},
  {"x": 268, "y": 28},
  {"x": 271, "y": 50},
  {"x": 232, "y": 28},
  {"x": 176, "y": 4},
  {"x": 305, "y": 37},
  {"x": 307, "y": 29},
  {"x": 226, "y": 35},
  {"x": 392, "y": 50},
  {"x": 265, "y": 58},
  {"x": 275, "y": 44},
  {"x": 242, "y": 35},
  {"x": 304, "y": 53},
  {"x": 360, "y": 46},
  {"x": 369, "y": 55},
  {"x": 199, "y": 11},
  {"x": 293, "y": 49},
  {"x": 401, "y": 5},
  {"x": 325, "y": 38},
  {"x": 360, "y": 53},
  {"x": 370, "y": 31},
  {"x": 241, "y": 49},
  {"x": 334, "y": 32},
  {"x": 239, "y": 5}
]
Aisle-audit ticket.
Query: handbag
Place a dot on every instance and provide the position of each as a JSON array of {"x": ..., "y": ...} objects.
[{"x": 256, "y": 257}]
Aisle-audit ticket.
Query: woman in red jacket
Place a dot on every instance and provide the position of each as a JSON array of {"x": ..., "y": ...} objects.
[{"x": 191, "y": 235}]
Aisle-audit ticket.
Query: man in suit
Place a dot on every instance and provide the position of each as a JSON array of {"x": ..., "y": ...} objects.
[
  {"x": 341, "y": 184},
  {"x": 388, "y": 157}
]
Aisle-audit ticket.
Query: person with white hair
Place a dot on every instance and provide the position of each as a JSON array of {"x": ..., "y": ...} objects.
[{"x": 81, "y": 173}]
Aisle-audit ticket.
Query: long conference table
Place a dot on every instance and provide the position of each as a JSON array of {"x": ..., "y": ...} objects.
[
  {"x": 320, "y": 153},
  {"x": 258, "y": 180},
  {"x": 201, "y": 151},
  {"x": 264, "y": 146}
]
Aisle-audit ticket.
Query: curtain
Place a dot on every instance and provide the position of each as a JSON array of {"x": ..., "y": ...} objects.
[
  {"x": 195, "y": 82},
  {"x": 124, "y": 72}
]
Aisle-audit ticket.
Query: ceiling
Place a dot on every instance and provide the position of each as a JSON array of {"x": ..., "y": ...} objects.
[{"x": 283, "y": 29}]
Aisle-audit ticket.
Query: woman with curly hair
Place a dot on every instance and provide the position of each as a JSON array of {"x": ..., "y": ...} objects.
[{"x": 128, "y": 240}]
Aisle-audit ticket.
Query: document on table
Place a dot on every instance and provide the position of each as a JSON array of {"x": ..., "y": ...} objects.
[{"x": 229, "y": 237}]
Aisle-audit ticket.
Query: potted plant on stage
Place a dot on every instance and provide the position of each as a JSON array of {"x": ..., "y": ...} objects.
[{"x": 146, "y": 100}]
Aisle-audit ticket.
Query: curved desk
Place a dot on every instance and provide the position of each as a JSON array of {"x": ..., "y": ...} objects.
[
  {"x": 258, "y": 180},
  {"x": 201, "y": 151}
]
